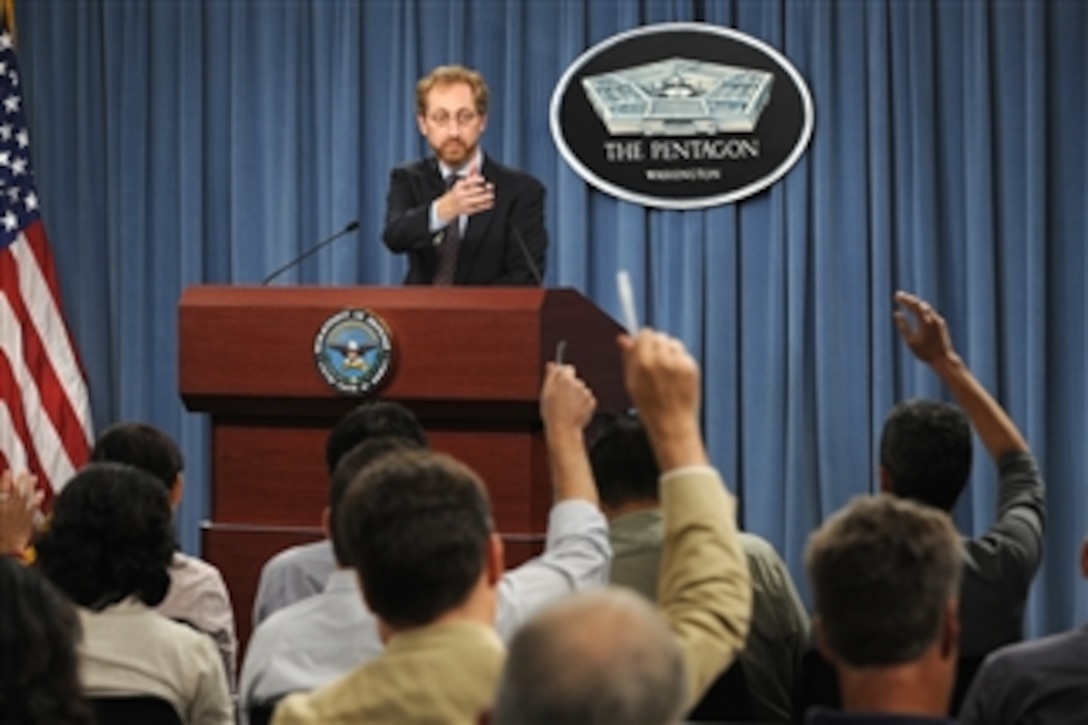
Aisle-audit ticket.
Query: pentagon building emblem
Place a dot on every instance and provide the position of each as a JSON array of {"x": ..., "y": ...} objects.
[
  {"x": 354, "y": 351},
  {"x": 681, "y": 115},
  {"x": 680, "y": 97}
]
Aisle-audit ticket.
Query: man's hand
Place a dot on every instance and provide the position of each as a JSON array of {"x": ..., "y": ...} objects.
[
  {"x": 566, "y": 403},
  {"x": 469, "y": 195},
  {"x": 663, "y": 381},
  {"x": 566, "y": 406},
  {"x": 929, "y": 340},
  {"x": 931, "y": 343},
  {"x": 662, "y": 378},
  {"x": 20, "y": 502}
]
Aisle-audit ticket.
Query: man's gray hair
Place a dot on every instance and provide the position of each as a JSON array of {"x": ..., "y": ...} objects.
[
  {"x": 883, "y": 570},
  {"x": 604, "y": 656}
]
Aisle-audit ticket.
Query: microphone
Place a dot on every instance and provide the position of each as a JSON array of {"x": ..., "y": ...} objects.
[
  {"x": 520, "y": 240},
  {"x": 351, "y": 227}
]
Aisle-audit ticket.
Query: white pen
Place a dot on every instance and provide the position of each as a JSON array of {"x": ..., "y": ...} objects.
[{"x": 627, "y": 302}]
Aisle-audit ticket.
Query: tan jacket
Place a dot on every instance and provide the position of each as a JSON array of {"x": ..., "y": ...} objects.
[
  {"x": 445, "y": 673},
  {"x": 704, "y": 591}
]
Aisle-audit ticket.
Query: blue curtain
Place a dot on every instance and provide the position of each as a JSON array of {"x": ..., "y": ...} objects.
[{"x": 180, "y": 143}]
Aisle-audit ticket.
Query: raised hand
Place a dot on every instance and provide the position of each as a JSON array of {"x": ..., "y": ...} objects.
[
  {"x": 20, "y": 501},
  {"x": 566, "y": 402},
  {"x": 661, "y": 377},
  {"x": 663, "y": 381},
  {"x": 566, "y": 406},
  {"x": 928, "y": 338}
]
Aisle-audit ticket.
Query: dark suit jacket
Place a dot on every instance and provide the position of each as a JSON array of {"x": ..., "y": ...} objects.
[
  {"x": 1039, "y": 681},
  {"x": 489, "y": 253}
]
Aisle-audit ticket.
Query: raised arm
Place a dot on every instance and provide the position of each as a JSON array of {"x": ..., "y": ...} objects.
[
  {"x": 704, "y": 590},
  {"x": 1014, "y": 543},
  {"x": 577, "y": 553},
  {"x": 930, "y": 342}
]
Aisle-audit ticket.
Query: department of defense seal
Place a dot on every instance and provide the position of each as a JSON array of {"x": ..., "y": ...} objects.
[{"x": 354, "y": 351}]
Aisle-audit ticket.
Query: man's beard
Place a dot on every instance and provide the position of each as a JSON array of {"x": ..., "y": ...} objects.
[{"x": 455, "y": 152}]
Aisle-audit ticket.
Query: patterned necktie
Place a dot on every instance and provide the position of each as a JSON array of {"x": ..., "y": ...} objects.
[{"x": 451, "y": 243}]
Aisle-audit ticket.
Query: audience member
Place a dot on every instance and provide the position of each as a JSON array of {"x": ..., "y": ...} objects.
[
  {"x": 198, "y": 595},
  {"x": 302, "y": 571},
  {"x": 605, "y": 656},
  {"x": 108, "y": 548},
  {"x": 626, "y": 475},
  {"x": 418, "y": 530},
  {"x": 1043, "y": 681},
  {"x": 20, "y": 502},
  {"x": 576, "y": 554},
  {"x": 925, "y": 455},
  {"x": 320, "y": 638},
  {"x": 39, "y": 672},
  {"x": 885, "y": 575},
  {"x": 563, "y": 668}
]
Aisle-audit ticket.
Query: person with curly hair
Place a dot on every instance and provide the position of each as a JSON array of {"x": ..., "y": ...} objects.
[
  {"x": 108, "y": 547},
  {"x": 198, "y": 594},
  {"x": 39, "y": 672}
]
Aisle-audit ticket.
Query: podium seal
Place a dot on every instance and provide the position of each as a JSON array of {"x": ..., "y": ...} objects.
[{"x": 354, "y": 351}]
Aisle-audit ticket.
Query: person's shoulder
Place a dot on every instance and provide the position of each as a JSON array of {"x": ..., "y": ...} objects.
[
  {"x": 334, "y": 702},
  {"x": 281, "y": 625},
  {"x": 757, "y": 547},
  {"x": 167, "y": 633},
  {"x": 300, "y": 555},
  {"x": 495, "y": 169},
  {"x": 415, "y": 167},
  {"x": 196, "y": 568},
  {"x": 1033, "y": 656}
]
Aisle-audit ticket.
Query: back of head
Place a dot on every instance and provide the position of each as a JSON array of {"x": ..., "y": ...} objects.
[
  {"x": 417, "y": 528},
  {"x": 351, "y": 463},
  {"x": 926, "y": 450},
  {"x": 604, "y": 656},
  {"x": 373, "y": 419},
  {"x": 623, "y": 463},
  {"x": 883, "y": 571},
  {"x": 110, "y": 537},
  {"x": 142, "y": 446},
  {"x": 39, "y": 633}
]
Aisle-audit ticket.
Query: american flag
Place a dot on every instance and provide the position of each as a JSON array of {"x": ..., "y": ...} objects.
[{"x": 45, "y": 420}]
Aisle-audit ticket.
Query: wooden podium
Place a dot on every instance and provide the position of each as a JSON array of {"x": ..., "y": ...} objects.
[{"x": 468, "y": 361}]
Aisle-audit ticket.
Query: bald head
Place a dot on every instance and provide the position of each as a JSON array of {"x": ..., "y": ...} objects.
[{"x": 600, "y": 657}]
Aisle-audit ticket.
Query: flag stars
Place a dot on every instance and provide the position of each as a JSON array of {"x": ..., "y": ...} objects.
[
  {"x": 5, "y": 158},
  {"x": 18, "y": 166},
  {"x": 13, "y": 194},
  {"x": 5, "y": 132},
  {"x": 5, "y": 41},
  {"x": 23, "y": 138},
  {"x": 11, "y": 104},
  {"x": 31, "y": 201},
  {"x": 10, "y": 221}
]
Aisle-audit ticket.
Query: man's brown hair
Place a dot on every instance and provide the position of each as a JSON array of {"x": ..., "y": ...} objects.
[
  {"x": 448, "y": 75},
  {"x": 883, "y": 570}
]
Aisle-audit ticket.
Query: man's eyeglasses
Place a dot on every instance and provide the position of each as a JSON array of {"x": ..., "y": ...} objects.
[{"x": 443, "y": 118}]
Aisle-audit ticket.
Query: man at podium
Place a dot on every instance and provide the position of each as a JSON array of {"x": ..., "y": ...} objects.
[{"x": 460, "y": 216}]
